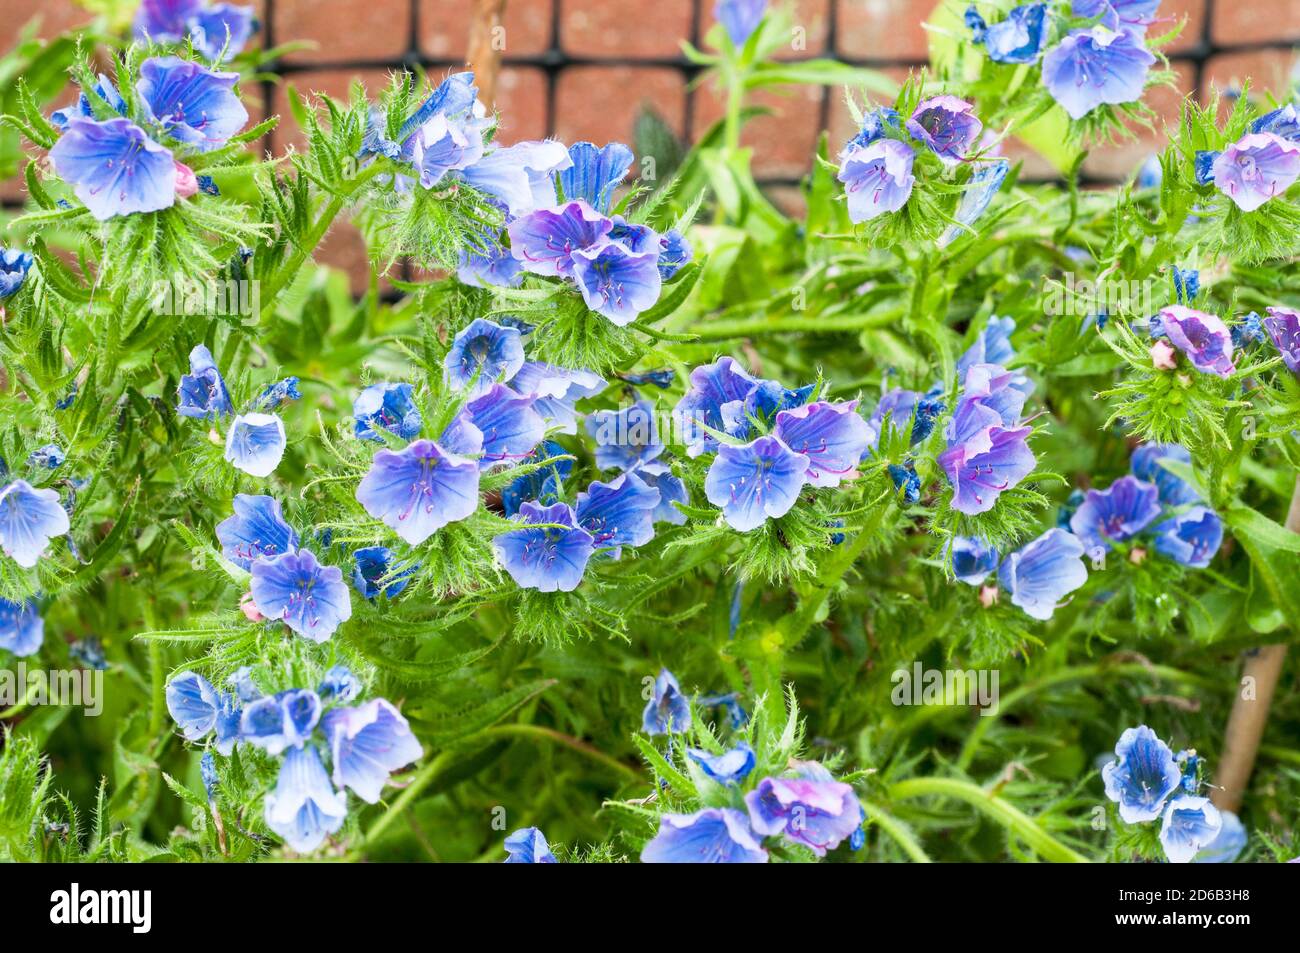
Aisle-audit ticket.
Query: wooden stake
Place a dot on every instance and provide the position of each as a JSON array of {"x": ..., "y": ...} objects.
[
  {"x": 1250, "y": 715},
  {"x": 485, "y": 44}
]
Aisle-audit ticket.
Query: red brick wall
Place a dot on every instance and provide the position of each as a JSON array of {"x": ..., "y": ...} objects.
[{"x": 583, "y": 69}]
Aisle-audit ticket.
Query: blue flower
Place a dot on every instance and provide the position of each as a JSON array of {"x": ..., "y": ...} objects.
[
  {"x": 999, "y": 390},
  {"x": 728, "y": 701},
  {"x": 443, "y": 145},
  {"x": 528, "y": 846},
  {"x": 977, "y": 197},
  {"x": 906, "y": 479},
  {"x": 1020, "y": 37},
  {"x": 671, "y": 490},
  {"x": 740, "y": 18},
  {"x": 812, "y": 809},
  {"x": 491, "y": 266},
  {"x": 223, "y": 27},
  {"x": 874, "y": 125},
  {"x": 374, "y": 573},
  {"x": 367, "y": 744},
  {"x": 1146, "y": 465},
  {"x": 992, "y": 346},
  {"x": 279, "y": 722},
  {"x": 1204, "y": 338},
  {"x": 509, "y": 426},
  {"x": 1190, "y": 538},
  {"x": 1250, "y": 330},
  {"x": 419, "y": 489},
  {"x": 193, "y": 704},
  {"x": 256, "y": 443},
  {"x": 202, "y": 392},
  {"x": 1043, "y": 572},
  {"x": 304, "y": 808},
  {"x": 192, "y": 103},
  {"x": 972, "y": 560},
  {"x": 1227, "y": 844},
  {"x": 29, "y": 519},
  {"x": 164, "y": 21},
  {"x": 833, "y": 436},
  {"x": 1187, "y": 284},
  {"x": 674, "y": 253},
  {"x": 546, "y": 558},
  {"x": 617, "y": 282},
  {"x": 520, "y": 176},
  {"x": 1143, "y": 775},
  {"x": 1283, "y": 327},
  {"x": 542, "y": 485},
  {"x": 81, "y": 109},
  {"x": 595, "y": 173},
  {"x": 668, "y": 711},
  {"x": 310, "y": 598},
  {"x": 1189, "y": 825},
  {"x": 717, "y": 395},
  {"x": 22, "y": 630},
  {"x": 483, "y": 354},
  {"x": 114, "y": 168},
  {"x": 625, "y": 439},
  {"x": 1095, "y": 66},
  {"x": 208, "y": 774},
  {"x": 730, "y": 767},
  {"x": 755, "y": 482},
  {"x": 557, "y": 391},
  {"x": 1151, "y": 173},
  {"x": 947, "y": 126},
  {"x": 280, "y": 392},
  {"x": 1256, "y": 168},
  {"x": 388, "y": 407},
  {"x": 619, "y": 513},
  {"x": 984, "y": 458},
  {"x": 977, "y": 25},
  {"x": 714, "y": 835},
  {"x": 1282, "y": 122},
  {"x": 257, "y": 530},
  {"x": 1133, "y": 16},
  {"x": 50, "y": 456},
  {"x": 14, "y": 265},
  {"x": 340, "y": 684},
  {"x": 1116, "y": 514},
  {"x": 877, "y": 178}
]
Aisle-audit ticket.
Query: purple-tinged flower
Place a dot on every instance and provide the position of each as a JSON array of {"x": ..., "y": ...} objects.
[
  {"x": 257, "y": 530},
  {"x": 483, "y": 354},
  {"x": 1283, "y": 327},
  {"x": 1131, "y": 15},
  {"x": 374, "y": 573},
  {"x": 1143, "y": 775},
  {"x": 202, "y": 392},
  {"x": 29, "y": 519},
  {"x": 671, "y": 490},
  {"x": 897, "y": 405},
  {"x": 740, "y": 18},
  {"x": 947, "y": 126},
  {"x": 1146, "y": 465},
  {"x": 14, "y": 265},
  {"x": 22, "y": 630},
  {"x": 877, "y": 178},
  {"x": 419, "y": 489},
  {"x": 1227, "y": 844},
  {"x": 192, "y": 104},
  {"x": 223, "y": 27},
  {"x": 595, "y": 173},
  {"x": 367, "y": 744},
  {"x": 310, "y": 598},
  {"x": 256, "y": 443},
  {"x": 619, "y": 513},
  {"x": 304, "y": 808},
  {"x": 674, "y": 253},
  {"x": 276, "y": 723},
  {"x": 557, "y": 391},
  {"x": 1189, "y": 825},
  {"x": 715, "y": 391},
  {"x": 714, "y": 835},
  {"x": 984, "y": 457},
  {"x": 668, "y": 711},
  {"x": 833, "y": 436},
  {"x": 528, "y": 846},
  {"x": 992, "y": 346},
  {"x": 1116, "y": 514},
  {"x": 972, "y": 560},
  {"x": 492, "y": 266},
  {"x": 625, "y": 439},
  {"x": 549, "y": 558},
  {"x": 1190, "y": 538},
  {"x": 511, "y": 428},
  {"x": 441, "y": 146},
  {"x": 1204, "y": 338},
  {"x": 389, "y": 407},
  {"x": 114, "y": 168},
  {"x": 1283, "y": 122},
  {"x": 193, "y": 704},
  {"x": 521, "y": 176},
  {"x": 1042, "y": 573},
  {"x": 1095, "y": 66},
  {"x": 755, "y": 482},
  {"x": 617, "y": 282},
  {"x": 1255, "y": 168},
  {"x": 542, "y": 485},
  {"x": 977, "y": 197},
  {"x": 999, "y": 390},
  {"x": 1020, "y": 37},
  {"x": 729, "y": 768},
  {"x": 545, "y": 240},
  {"x": 812, "y": 809}
]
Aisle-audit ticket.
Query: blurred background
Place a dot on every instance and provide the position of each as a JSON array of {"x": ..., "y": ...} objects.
[{"x": 613, "y": 69}]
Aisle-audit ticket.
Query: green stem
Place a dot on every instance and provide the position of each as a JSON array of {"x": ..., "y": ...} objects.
[
  {"x": 421, "y": 781},
  {"x": 900, "y": 832},
  {"x": 1004, "y": 813},
  {"x": 748, "y": 327},
  {"x": 541, "y": 733}
]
